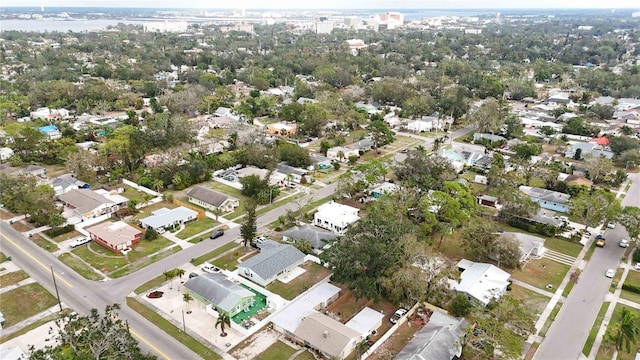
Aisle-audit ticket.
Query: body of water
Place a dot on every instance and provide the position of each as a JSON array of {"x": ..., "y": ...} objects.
[{"x": 61, "y": 25}]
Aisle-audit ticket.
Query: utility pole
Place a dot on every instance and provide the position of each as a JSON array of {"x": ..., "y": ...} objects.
[
  {"x": 56, "y": 286},
  {"x": 184, "y": 324}
]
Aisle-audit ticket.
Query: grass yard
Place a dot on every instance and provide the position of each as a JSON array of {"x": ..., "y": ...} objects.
[
  {"x": 34, "y": 325},
  {"x": 277, "y": 351},
  {"x": 300, "y": 284},
  {"x": 196, "y": 227},
  {"x": 451, "y": 246},
  {"x": 24, "y": 302},
  {"x": 3, "y": 257},
  {"x": 532, "y": 300},
  {"x": 79, "y": 266},
  {"x": 542, "y": 272},
  {"x": 633, "y": 278},
  {"x": 135, "y": 195},
  {"x": 13, "y": 278},
  {"x": 550, "y": 319},
  {"x": 100, "y": 258},
  {"x": 563, "y": 246},
  {"x": 143, "y": 262},
  {"x": 166, "y": 326},
  {"x": 44, "y": 243},
  {"x": 146, "y": 211},
  {"x": 230, "y": 261},
  {"x": 228, "y": 190},
  {"x": 214, "y": 254},
  {"x": 606, "y": 350},
  {"x": 305, "y": 356},
  {"x": 594, "y": 329},
  {"x": 70, "y": 235},
  {"x": 20, "y": 226}
]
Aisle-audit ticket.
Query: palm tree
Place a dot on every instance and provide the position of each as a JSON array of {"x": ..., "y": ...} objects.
[
  {"x": 217, "y": 212},
  {"x": 626, "y": 331},
  {"x": 187, "y": 299},
  {"x": 157, "y": 184},
  {"x": 179, "y": 272},
  {"x": 223, "y": 321},
  {"x": 340, "y": 155}
]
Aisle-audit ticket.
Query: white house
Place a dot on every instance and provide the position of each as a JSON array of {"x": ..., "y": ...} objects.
[
  {"x": 335, "y": 152},
  {"x": 335, "y": 217},
  {"x": 163, "y": 218},
  {"x": 530, "y": 246},
  {"x": 481, "y": 282}
]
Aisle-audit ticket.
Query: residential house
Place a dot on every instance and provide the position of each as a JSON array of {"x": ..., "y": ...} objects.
[
  {"x": 87, "y": 204},
  {"x": 369, "y": 108},
  {"x": 164, "y": 218},
  {"x": 34, "y": 170},
  {"x": 587, "y": 148},
  {"x": 115, "y": 236},
  {"x": 530, "y": 246},
  {"x": 578, "y": 181},
  {"x": 342, "y": 153},
  {"x": 491, "y": 137},
  {"x": 335, "y": 217},
  {"x": 51, "y": 132},
  {"x": 481, "y": 282},
  {"x": 304, "y": 100},
  {"x": 465, "y": 156},
  {"x": 273, "y": 260},
  {"x": 224, "y": 111},
  {"x": 366, "y": 322},
  {"x": 282, "y": 128},
  {"x": 318, "y": 238},
  {"x": 211, "y": 199},
  {"x": 67, "y": 182},
  {"x": 559, "y": 97},
  {"x": 48, "y": 114},
  {"x": 331, "y": 338},
  {"x": 385, "y": 188},
  {"x": 440, "y": 339},
  {"x": 362, "y": 146},
  {"x": 548, "y": 199},
  {"x": 486, "y": 200},
  {"x": 224, "y": 295},
  {"x": 295, "y": 174}
]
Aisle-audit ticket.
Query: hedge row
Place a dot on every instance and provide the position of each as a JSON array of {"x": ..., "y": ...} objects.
[
  {"x": 542, "y": 229},
  {"x": 632, "y": 288},
  {"x": 57, "y": 231}
]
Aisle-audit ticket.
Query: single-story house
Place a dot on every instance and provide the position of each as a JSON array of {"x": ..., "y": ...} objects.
[
  {"x": 273, "y": 260},
  {"x": 223, "y": 111},
  {"x": 281, "y": 128},
  {"x": 363, "y": 145},
  {"x": 366, "y": 321},
  {"x": 440, "y": 339},
  {"x": 384, "y": 188},
  {"x": 224, "y": 295},
  {"x": 490, "y": 137},
  {"x": 481, "y": 282},
  {"x": 115, "y": 236},
  {"x": 335, "y": 152},
  {"x": 313, "y": 301},
  {"x": 67, "y": 182},
  {"x": 548, "y": 199},
  {"x": 335, "y": 217},
  {"x": 163, "y": 218},
  {"x": 587, "y": 148},
  {"x": 330, "y": 337},
  {"x": 297, "y": 174},
  {"x": 211, "y": 199},
  {"x": 530, "y": 246},
  {"x": 317, "y": 237},
  {"x": 87, "y": 204},
  {"x": 578, "y": 180},
  {"x": 460, "y": 157},
  {"x": 34, "y": 170},
  {"x": 304, "y": 100},
  {"x": 51, "y": 132},
  {"x": 486, "y": 200}
]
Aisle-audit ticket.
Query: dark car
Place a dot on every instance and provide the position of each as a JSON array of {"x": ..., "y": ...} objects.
[
  {"x": 216, "y": 234},
  {"x": 192, "y": 275}
]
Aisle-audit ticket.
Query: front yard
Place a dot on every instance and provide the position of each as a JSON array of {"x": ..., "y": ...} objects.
[
  {"x": 541, "y": 273},
  {"x": 277, "y": 351},
  {"x": 24, "y": 302},
  {"x": 196, "y": 227},
  {"x": 230, "y": 261},
  {"x": 297, "y": 286}
]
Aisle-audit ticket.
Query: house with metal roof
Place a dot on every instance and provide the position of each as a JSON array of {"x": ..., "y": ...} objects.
[
  {"x": 273, "y": 260},
  {"x": 164, "y": 218},
  {"x": 295, "y": 174},
  {"x": 318, "y": 238},
  {"x": 440, "y": 339},
  {"x": 548, "y": 199},
  {"x": 481, "y": 282},
  {"x": 211, "y": 199},
  {"x": 224, "y": 295}
]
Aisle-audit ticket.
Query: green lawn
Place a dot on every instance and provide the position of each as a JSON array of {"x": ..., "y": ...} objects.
[
  {"x": 302, "y": 283},
  {"x": 135, "y": 195},
  {"x": 13, "y": 278},
  {"x": 196, "y": 227},
  {"x": 143, "y": 262},
  {"x": 594, "y": 329},
  {"x": 633, "y": 278},
  {"x": 211, "y": 255},
  {"x": 564, "y": 246},
  {"x": 162, "y": 323},
  {"x": 550, "y": 319},
  {"x": 305, "y": 356},
  {"x": 80, "y": 267},
  {"x": 277, "y": 351},
  {"x": 70, "y": 235},
  {"x": 606, "y": 350},
  {"x": 44, "y": 243},
  {"x": 230, "y": 260},
  {"x": 542, "y": 272},
  {"x": 24, "y": 302},
  {"x": 228, "y": 190}
]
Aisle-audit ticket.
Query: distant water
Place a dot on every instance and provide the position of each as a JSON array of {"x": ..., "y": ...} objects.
[{"x": 61, "y": 25}]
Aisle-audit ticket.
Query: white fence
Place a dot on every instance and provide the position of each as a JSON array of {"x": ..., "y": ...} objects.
[
  {"x": 233, "y": 184},
  {"x": 141, "y": 188}
]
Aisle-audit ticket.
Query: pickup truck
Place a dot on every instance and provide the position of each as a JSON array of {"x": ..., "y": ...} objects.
[
  {"x": 209, "y": 268},
  {"x": 79, "y": 241}
]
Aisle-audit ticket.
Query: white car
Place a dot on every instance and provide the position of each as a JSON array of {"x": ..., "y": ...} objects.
[
  {"x": 610, "y": 273},
  {"x": 637, "y": 266},
  {"x": 624, "y": 243},
  {"x": 79, "y": 241},
  {"x": 397, "y": 315},
  {"x": 611, "y": 224},
  {"x": 209, "y": 268}
]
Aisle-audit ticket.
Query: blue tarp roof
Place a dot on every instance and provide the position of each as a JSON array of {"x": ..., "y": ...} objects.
[{"x": 47, "y": 129}]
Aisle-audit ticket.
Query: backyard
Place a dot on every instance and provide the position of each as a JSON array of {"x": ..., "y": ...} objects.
[
  {"x": 313, "y": 274},
  {"x": 24, "y": 302}
]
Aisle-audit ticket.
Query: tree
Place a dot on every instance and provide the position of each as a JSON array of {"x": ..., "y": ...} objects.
[
  {"x": 620, "y": 144},
  {"x": 426, "y": 172},
  {"x": 597, "y": 167},
  {"x": 507, "y": 251},
  {"x": 479, "y": 239},
  {"x": 630, "y": 219},
  {"x": 252, "y": 185},
  {"x": 187, "y": 298},
  {"x": 489, "y": 118},
  {"x": 460, "y": 306},
  {"x": 294, "y": 155},
  {"x": 169, "y": 275},
  {"x": 150, "y": 234},
  {"x": 324, "y": 147},
  {"x": 594, "y": 207},
  {"x": 624, "y": 333},
  {"x": 248, "y": 227},
  {"x": 93, "y": 336},
  {"x": 217, "y": 212},
  {"x": 179, "y": 273},
  {"x": 223, "y": 321}
]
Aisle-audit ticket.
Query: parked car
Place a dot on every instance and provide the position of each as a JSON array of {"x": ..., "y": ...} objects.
[
  {"x": 637, "y": 267},
  {"x": 212, "y": 269},
  {"x": 624, "y": 243},
  {"x": 192, "y": 275},
  {"x": 79, "y": 241},
  {"x": 600, "y": 241},
  {"x": 611, "y": 224},
  {"x": 260, "y": 239},
  {"x": 610, "y": 273},
  {"x": 216, "y": 234},
  {"x": 290, "y": 185},
  {"x": 398, "y": 315}
]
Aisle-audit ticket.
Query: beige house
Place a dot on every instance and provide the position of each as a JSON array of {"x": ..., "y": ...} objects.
[
  {"x": 330, "y": 337},
  {"x": 211, "y": 200}
]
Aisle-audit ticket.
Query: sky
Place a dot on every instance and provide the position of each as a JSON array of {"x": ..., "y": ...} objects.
[{"x": 334, "y": 4}]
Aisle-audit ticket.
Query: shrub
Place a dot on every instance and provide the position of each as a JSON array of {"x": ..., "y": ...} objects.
[
  {"x": 460, "y": 306},
  {"x": 636, "y": 255},
  {"x": 632, "y": 288},
  {"x": 57, "y": 231}
]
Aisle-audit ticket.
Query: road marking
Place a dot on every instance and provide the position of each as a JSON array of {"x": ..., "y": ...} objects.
[
  {"x": 134, "y": 333},
  {"x": 36, "y": 260}
]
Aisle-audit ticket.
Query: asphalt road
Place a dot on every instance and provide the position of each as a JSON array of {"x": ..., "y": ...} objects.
[
  {"x": 82, "y": 295},
  {"x": 568, "y": 333}
]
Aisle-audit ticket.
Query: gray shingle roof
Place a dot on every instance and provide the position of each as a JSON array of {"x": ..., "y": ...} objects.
[
  {"x": 545, "y": 194},
  {"x": 273, "y": 260},
  {"x": 207, "y": 195},
  {"x": 216, "y": 288},
  {"x": 84, "y": 200},
  {"x": 316, "y": 236},
  {"x": 440, "y": 339}
]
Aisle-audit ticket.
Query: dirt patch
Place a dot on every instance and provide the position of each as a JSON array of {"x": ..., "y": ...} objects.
[{"x": 256, "y": 344}]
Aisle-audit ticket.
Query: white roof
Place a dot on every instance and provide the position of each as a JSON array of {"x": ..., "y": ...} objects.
[
  {"x": 338, "y": 214},
  {"x": 365, "y": 321},
  {"x": 291, "y": 317},
  {"x": 163, "y": 217},
  {"x": 479, "y": 280}
]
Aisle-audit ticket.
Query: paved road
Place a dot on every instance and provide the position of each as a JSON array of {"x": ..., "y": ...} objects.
[
  {"x": 82, "y": 295},
  {"x": 568, "y": 333},
  {"x": 633, "y": 195}
]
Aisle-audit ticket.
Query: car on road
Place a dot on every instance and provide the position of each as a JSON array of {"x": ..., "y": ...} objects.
[
  {"x": 624, "y": 243},
  {"x": 398, "y": 315},
  {"x": 610, "y": 273},
  {"x": 404, "y": 151},
  {"x": 216, "y": 234},
  {"x": 600, "y": 241},
  {"x": 611, "y": 224},
  {"x": 209, "y": 268},
  {"x": 290, "y": 185},
  {"x": 79, "y": 241}
]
